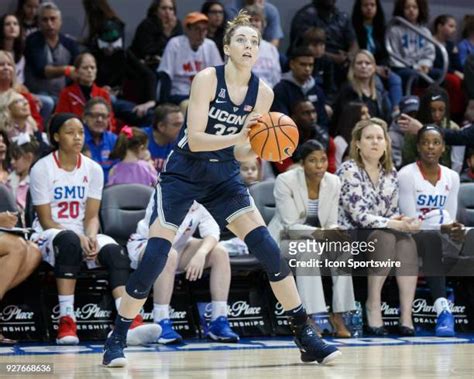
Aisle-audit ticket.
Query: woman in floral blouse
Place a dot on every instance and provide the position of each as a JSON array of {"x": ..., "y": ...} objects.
[{"x": 369, "y": 199}]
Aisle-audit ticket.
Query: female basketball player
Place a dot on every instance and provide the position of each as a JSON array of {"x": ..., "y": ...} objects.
[
  {"x": 225, "y": 102},
  {"x": 429, "y": 192},
  {"x": 66, "y": 189}
]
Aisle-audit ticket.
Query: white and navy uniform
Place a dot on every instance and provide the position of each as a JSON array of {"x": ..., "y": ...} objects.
[
  {"x": 66, "y": 192},
  {"x": 198, "y": 216},
  {"x": 432, "y": 205},
  {"x": 211, "y": 178}
]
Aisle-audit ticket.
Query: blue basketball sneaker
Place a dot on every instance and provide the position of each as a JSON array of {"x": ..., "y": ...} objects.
[
  {"x": 312, "y": 347},
  {"x": 445, "y": 325},
  {"x": 220, "y": 331},
  {"x": 113, "y": 352},
  {"x": 168, "y": 334}
]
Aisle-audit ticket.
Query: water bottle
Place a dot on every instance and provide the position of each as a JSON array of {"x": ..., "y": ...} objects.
[{"x": 357, "y": 322}]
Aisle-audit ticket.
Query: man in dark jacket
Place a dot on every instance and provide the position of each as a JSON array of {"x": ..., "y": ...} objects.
[{"x": 298, "y": 84}]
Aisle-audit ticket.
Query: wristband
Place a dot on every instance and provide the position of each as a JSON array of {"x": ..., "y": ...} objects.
[{"x": 67, "y": 71}]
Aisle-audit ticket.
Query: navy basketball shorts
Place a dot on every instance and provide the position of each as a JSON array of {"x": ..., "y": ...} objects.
[{"x": 215, "y": 185}]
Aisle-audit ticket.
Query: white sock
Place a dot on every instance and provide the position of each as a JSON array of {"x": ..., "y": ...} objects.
[
  {"x": 118, "y": 300},
  {"x": 441, "y": 304},
  {"x": 160, "y": 312},
  {"x": 66, "y": 306},
  {"x": 219, "y": 308}
]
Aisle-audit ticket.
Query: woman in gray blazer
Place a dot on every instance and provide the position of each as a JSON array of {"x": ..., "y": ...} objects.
[{"x": 306, "y": 200}]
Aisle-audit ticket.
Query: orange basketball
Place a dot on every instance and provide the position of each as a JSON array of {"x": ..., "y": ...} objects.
[{"x": 275, "y": 137}]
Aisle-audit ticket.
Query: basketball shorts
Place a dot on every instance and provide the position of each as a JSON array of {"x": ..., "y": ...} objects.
[
  {"x": 216, "y": 185},
  {"x": 44, "y": 240}
]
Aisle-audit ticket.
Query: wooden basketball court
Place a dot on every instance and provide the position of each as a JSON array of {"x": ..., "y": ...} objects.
[{"x": 418, "y": 357}]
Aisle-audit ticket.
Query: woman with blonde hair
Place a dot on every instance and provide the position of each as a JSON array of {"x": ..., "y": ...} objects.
[
  {"x": 15, "y": 115},
  {"x": 369, "y": 200},
  {"x": 361, "y": 86},
  {"x": 8, "y": 81}
]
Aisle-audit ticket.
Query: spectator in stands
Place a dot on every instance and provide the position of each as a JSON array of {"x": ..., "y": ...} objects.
[
  {"x": 323, "y": 71},
  {"x": 11, "y": 40},
  {"x": 186, "y": 55},
  {"x": 267, "y": 66},
  {"x": 8, "y": 81},
  {"x": 18, "y": 259},
  {"x": 215, "y": 12},
  {"x": 306, "y": 200},
  {"x": 468, "y": 174},
  {"x": 23, "y": 154},
  {"x": 132, "y": 85},
  {"x": 272, "y": 32},
  {"x": 429, "y": 192},
  {"x": 74, "y": 97},
  {"x": 27, "y": 13},
  {"x": 298, "y": 84},
  {"x": 361, "y": 86},
  {"x": 66, "y": 189},
  {"x": 352, "y": 113},
  {"x": 340, "y": 38},
  {"x": 154, "y": 32},
  {"x": 411, "y": 46},
  {"x": 15, "y": 115},
  {"x": 466, "y": 46},
  {"x": 368, "y": 20},
  {"x": 49, "y": 57},
  {"x": 409, "y": 107},
  {"x": 444, "y": 31},
  {"x": 192, "y": 256},
  {"x": 250, "y": 172},
  {"x": 98, "y": 138},
  {"x": 130, "y": 149},
  {"x": 434, "y": 109},
  {"x": 162, "y": 135},
  {"x": 4, "y": 156},
  {"x": 369, "y": 199}
]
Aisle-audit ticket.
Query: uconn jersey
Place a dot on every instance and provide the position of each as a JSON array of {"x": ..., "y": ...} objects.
[
  {"x": 65, "y": 191},
  {"x": 432, "y": 205},
  {"x": 224, "y": 118}
]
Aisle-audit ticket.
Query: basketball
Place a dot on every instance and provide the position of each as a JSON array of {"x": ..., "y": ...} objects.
[{"x": 275, "y": 137}]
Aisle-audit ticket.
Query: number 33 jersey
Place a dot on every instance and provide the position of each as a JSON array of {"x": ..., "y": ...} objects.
[
  {"x": 65, "y": 191},
  {"x": 223, "y": 118}
]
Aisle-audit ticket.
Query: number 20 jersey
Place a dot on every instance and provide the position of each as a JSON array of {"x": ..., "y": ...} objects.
[
  {"x": 224, "y": 117},
  {"x": 66, "y": 191}
]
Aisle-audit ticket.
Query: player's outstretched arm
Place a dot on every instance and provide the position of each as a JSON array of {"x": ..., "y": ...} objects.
[{"x": 202, "y": 93}]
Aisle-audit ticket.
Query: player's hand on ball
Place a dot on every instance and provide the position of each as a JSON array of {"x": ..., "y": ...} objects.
[
  {"x": 244, "y": 133},
  {"x": 195, "y": 267}
]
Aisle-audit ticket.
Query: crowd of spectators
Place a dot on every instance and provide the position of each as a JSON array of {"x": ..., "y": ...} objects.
[{"x": 337, "y": 81}]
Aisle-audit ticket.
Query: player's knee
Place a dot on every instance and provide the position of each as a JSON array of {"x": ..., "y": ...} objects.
[
  {"x": 219, "y": 257},
  {"x": 152, "y": 264},
  {"x": 117, "y": 262},
  {"x": 68, "y": 254},
  {"x": 172, "y": 262},
  {"x": 263, "y": 246}
]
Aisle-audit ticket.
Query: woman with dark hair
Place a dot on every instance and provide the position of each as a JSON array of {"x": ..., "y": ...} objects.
[
  {"x": 26, "y": 11},
  {"x": 411, "y": 46},
  {"x": 466, "y": 46},
  {"x": 4, "y": 156},
  {"x": 352, "y": 113},
  {"x": 155, "y": 30},
  {"x": 429, "y": 192},
  {"x": 434, "y": 109},
  {"x": 11, "y": 40},
  {"x": 369, "y": 205},
  {"x": 97, "y": 13},
  {"x": 307, "y": 200},
  {"x": 214, "y": 10},
  {"x": 368, "y": 20}
]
